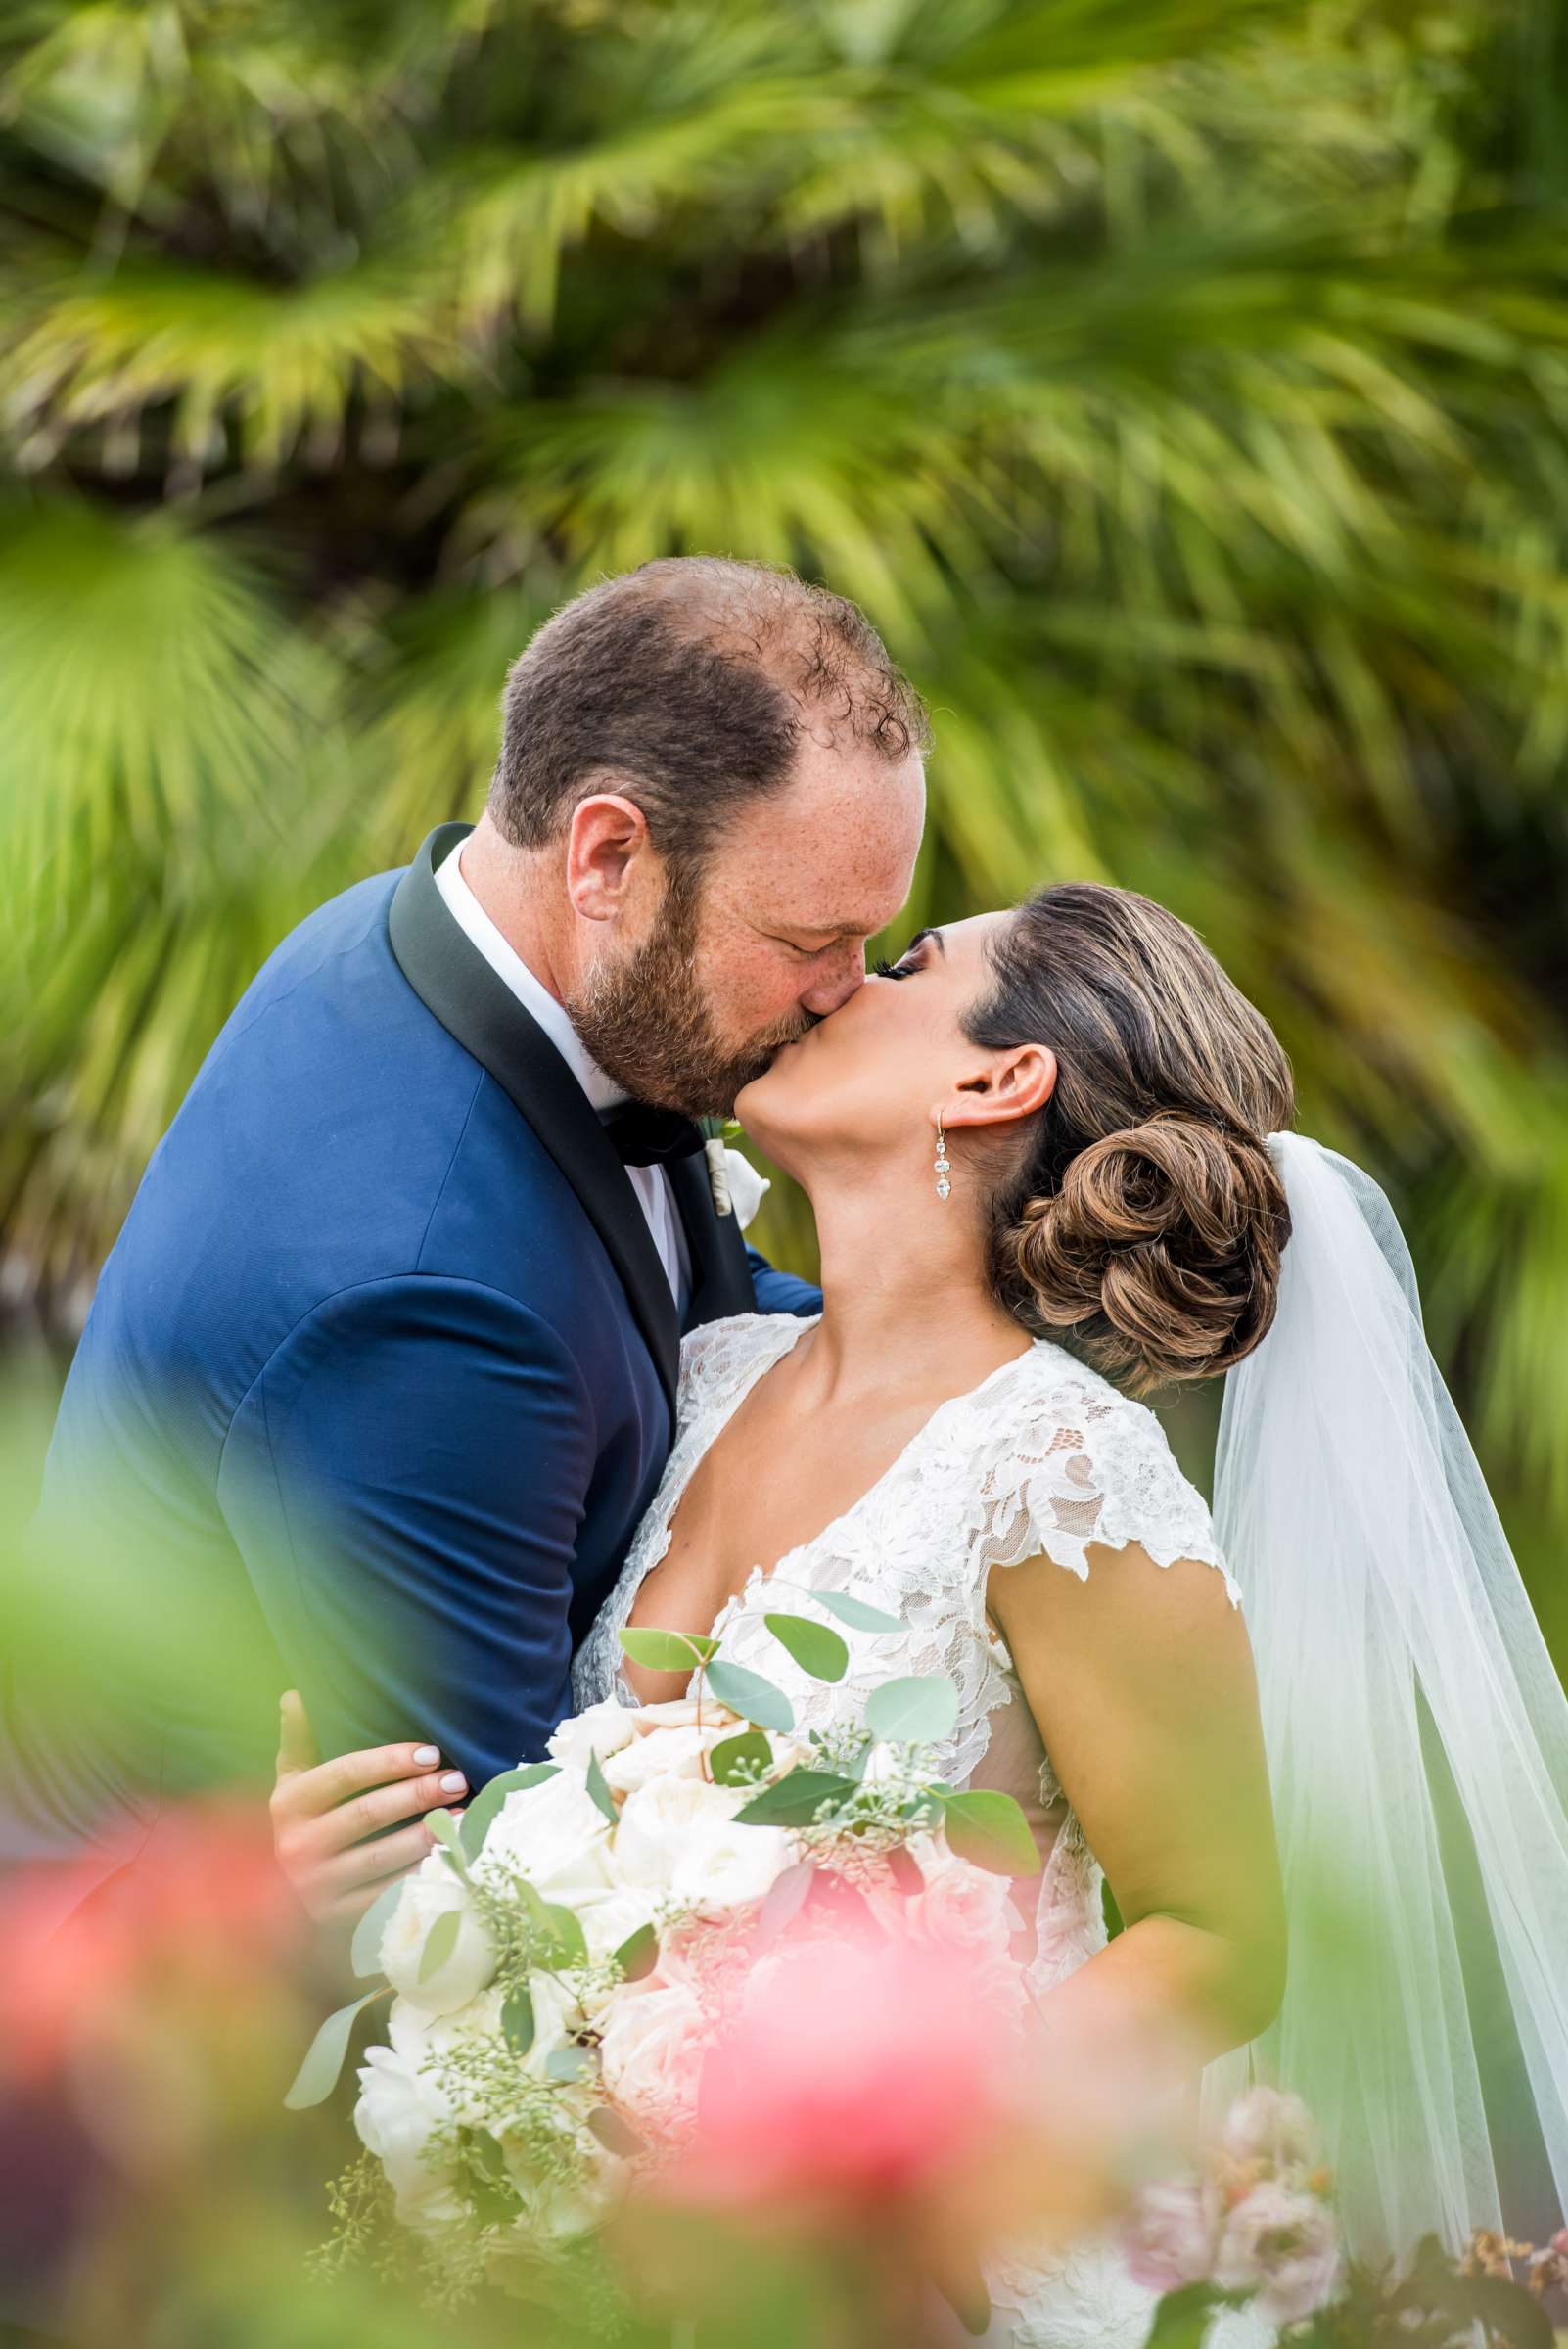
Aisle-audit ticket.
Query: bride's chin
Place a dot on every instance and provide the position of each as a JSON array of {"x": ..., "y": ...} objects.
[{"x": 762, "y": 1109}]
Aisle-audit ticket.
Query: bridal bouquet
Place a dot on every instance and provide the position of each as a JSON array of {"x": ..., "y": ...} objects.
[{"x": 560, "y": 1963}]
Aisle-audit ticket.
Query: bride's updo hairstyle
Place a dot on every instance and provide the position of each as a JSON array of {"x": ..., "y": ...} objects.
[{"x": 1144, "y": 1217}]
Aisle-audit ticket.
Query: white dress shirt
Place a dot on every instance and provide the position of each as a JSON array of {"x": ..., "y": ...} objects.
[{"x": 650, "y": 1183}]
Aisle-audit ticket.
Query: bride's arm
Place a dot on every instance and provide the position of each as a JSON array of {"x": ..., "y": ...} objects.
[{"x": 1140, "y": 1679}]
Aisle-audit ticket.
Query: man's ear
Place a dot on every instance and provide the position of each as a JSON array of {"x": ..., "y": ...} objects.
[
  {"x": 1000, "y": 1089},
  {"x": 606, "y": 837}
]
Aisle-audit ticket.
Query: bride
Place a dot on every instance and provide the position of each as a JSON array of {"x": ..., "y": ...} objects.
[{"x": 1049, "y": 1156}]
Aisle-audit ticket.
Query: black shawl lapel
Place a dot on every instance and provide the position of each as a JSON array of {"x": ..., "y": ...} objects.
[
  {"x": 455, "y": 983},
  {"x": 720, "y": 1275}
]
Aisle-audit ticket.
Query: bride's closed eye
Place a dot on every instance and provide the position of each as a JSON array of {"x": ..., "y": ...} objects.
[{"x": 894, "y": 970}]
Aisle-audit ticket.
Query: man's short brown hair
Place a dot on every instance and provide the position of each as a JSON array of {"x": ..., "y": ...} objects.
[{"x": 687, "y": 684}]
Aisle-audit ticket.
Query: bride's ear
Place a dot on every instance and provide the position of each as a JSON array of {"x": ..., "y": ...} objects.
[{"x": 999, "y": 1090}]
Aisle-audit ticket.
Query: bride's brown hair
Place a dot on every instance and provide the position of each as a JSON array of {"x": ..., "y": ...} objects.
[{"x": 1144, "y": 1215}]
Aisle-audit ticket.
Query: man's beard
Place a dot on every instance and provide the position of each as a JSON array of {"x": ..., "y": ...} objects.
[{"x": 650, "y": 1026}]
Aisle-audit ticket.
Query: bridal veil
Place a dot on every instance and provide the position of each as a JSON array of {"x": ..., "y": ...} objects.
[{"x": 1417, "y": 1739}]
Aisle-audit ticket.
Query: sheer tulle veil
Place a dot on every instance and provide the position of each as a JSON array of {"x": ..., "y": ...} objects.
[{"x": 1417, "y": 1740}]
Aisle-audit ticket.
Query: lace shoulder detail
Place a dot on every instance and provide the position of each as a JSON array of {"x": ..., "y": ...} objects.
[
  {"x": 1078, "y": 1464},
  {"x": 717, "y": 1358}
]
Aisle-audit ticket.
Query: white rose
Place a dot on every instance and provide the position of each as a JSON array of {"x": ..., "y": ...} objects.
[
  {"x": 401, "y": 2101},
  {"x": 555, "y": 1834},
  {"x": 608, "y": 1922},
  {"x": 684, "y": 1712},
  {"x": 397, "y": 2111},
  {"x": 679, "y": 1834},
  {"x": 434, "y": 1890},
  {"x": 676, "y": 1753},
  {"x": 652, "y": 2053},
  {"x": 602, "y": 1729},
  {"x": 674, "y": 1738}
]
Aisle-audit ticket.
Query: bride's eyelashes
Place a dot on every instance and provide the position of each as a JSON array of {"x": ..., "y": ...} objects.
[{"x": 892, "y": 970}]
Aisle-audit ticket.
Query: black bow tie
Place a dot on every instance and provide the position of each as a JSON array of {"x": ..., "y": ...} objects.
[{"x": 651, "y": 1137}]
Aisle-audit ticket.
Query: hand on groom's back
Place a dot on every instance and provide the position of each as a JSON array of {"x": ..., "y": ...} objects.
[{"x": 345, "y": 1830}]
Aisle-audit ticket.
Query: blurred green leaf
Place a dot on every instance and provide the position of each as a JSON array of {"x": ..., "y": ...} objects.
[
  {"x": 918, "y": 1709},
  {"x": 317, "y": 2076}
]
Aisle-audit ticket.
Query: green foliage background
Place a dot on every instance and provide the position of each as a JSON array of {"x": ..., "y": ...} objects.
[{"x": 1181, "y": 385}]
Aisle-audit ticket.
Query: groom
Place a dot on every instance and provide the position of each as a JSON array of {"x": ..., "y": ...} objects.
[{"x": 380, "y": 1375}]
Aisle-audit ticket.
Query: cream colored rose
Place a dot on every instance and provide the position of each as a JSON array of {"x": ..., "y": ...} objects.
[
  {"x": 397, "y": 2111},
  {"x": 602, "y": 1729},
  {"x": 555, "y": 1834},
  {"x": 401, "y": 2100},
  {"x": 684, "y": 1712},
  {"x": 679, "y": 1834},
  {"x": 676, "y": 1753},
  {"x": 965, "y": 1906},
  {"x": 652, "y": 2053},
  {"x": 433, "y": 1891}
]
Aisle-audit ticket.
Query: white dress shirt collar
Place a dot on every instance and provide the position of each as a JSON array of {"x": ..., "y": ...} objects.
[
  {"x": 532, "y": 993},
  {"x": 650, "y": 1184}
]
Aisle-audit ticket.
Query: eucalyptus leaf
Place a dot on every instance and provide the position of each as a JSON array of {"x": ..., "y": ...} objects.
[
  {"x": 569, "y": 1940},
  {"x": 364, "y": 1951},
  {"x": 317, "y": 2076},
  {"x": 751, "y": 1696},
  {"x": 666, "y": 1651},
  {"x": 794, "y": 1801},
  {"x": 787, "y": 1895},
  {"x": 603, "y": 1798},
  {"x": 446, "y": 1833},
  {"x": 816, "y": 1649},
  {"x": 905, "y": 1869},
  {"x": 916, "y": 1711},
  {"x": 736, "y": 1761},
  {"x": 558, "y": 1932},
  {"x": 639, "y": 1954},
  {"x": 517, "y": 2021},
  {"x": 439, "y": 1943},
  {"x": 616, "y": 2135},
  {"x": 477, "y": 1820},
  {"x": 855, "y": 1612},
  {"x": 988, "y": 1826},
  {"x": 1181, "y": 2320},
  {"x": 571, "y": 2063}
]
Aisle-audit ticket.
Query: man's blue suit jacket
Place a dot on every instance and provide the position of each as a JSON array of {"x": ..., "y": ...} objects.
[{"x": 380, "y": 1370}]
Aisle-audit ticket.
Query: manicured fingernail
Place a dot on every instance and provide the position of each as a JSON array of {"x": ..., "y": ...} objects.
[
  {"x": 453, "y": 1782},
  {"x": 425, "y": 1755}
]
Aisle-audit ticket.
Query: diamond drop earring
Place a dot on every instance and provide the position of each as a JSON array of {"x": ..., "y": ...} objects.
[{"x": 943, "y": 1165}]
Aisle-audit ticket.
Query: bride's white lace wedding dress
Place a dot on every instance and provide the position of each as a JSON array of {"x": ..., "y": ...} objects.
[{"x": 1042, "y": 1459}]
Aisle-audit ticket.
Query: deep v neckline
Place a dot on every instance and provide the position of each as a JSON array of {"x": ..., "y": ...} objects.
[{"x": 768, "y": 1360}]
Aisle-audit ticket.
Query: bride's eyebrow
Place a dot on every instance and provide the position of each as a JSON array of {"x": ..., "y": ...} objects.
[{"x": 920, "y": 936}]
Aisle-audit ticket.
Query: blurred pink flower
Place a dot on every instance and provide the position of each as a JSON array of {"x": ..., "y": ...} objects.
[
  {"x": 1266, "y": 2124},
  {"x": 1282, "y": 2245},
  {"x": 1174, "y": 2233},
  {"x": 855, "y": 2068},
  {"x": 197, "y": 1919}
]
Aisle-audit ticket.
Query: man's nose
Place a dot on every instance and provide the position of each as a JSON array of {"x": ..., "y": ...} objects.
[{"x": 833, "y": 989}]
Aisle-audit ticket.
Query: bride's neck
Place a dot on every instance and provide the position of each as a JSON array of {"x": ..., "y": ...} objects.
[{"x": 904, "y": 1296}]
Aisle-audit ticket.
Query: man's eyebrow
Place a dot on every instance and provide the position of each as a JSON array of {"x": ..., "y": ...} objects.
[{"x": 920, "y": 936}]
